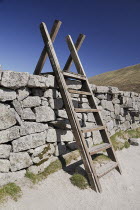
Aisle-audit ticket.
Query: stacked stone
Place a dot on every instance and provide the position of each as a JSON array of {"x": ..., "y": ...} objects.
[
  {"x": 120, "y": 110},
  {"x": 34, "y": 126}
]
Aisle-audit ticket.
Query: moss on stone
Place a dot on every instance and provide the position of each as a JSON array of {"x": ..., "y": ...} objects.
[
  {"x": 53, "y": 167},
  {"x": 42, "y": 161},
  {"x": 45, "y": 150},
  {"x": 125, "y": 135}
]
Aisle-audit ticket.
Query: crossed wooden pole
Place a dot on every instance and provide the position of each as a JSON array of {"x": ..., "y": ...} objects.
[{"x": 44, "y": 55}]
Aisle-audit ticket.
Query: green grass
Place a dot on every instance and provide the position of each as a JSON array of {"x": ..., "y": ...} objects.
[
  {"x": 100, "y": 158},
  {"x": 10, "y": 190},
  {"x": 79, "y": 181},
  {"x": 53, "y": 167},
  {"x": 125, "y": 135},
  {"x": 122, "y": 78},
  {"x": 68, "y": 158}
]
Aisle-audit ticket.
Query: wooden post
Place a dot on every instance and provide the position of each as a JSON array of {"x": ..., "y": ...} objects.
[
  {"x": 78, "y": 44},
  {"x": 75, "y": 56},
  {"x": 44, "y": 55}
]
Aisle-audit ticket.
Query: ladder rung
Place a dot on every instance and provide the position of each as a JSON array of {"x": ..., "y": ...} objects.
[
  {"x": 73, "y": 75},
  {"x": 99, "y": 148},
  {"x": 85, "y": 110},
  {"x": 86, "y": 130},
  {"x": 106, "y": 168},
  {"x": 79, "y": 92}
]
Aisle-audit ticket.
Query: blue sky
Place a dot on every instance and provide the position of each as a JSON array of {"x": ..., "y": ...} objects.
[{"x": 111, "y": 27}]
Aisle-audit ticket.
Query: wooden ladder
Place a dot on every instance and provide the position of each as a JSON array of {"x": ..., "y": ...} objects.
[{"x": 78, "y": 131}]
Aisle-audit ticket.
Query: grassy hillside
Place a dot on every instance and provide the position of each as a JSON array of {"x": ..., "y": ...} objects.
[{"x": 126, "y": 79}]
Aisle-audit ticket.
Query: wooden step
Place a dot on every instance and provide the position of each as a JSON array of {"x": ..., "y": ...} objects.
[
  {"x": 85, "y": 110},
  {"x": 99, "y": 148},
  {"x": 74, "y": 75},
  {"x": 79, "y": 92},
  {"x": 106, "y": 168},
  {"x": 86, "y": 130}
]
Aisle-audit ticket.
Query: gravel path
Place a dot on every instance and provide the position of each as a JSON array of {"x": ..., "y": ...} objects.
[{"x": 120, "y": 192}]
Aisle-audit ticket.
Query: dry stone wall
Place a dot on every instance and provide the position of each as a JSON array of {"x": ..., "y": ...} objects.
[{"x": 34, "y": 127}]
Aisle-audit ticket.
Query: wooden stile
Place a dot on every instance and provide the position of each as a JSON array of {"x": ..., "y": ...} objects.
[{"x": 79, "y": 131}]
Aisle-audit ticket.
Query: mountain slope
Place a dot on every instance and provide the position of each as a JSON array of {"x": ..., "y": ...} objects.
[{"x": 126, "y": 79}]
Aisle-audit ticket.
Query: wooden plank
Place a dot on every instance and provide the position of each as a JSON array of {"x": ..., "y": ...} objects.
[
  {"x": 86, "y": 130},
  {"x": 74, "y": 76},
  {"x": 44, "y": 55},
  {"x": 99, "y": 148},
  {"x": 70, "y": 110},
  {"x": 77, "y": 46},
  {"x": 85, "y": 110},
  {"x": 103, "y": 170},
  {"x": 78, "y": 92}
]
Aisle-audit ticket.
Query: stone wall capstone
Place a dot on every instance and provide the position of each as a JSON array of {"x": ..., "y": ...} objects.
[{"x": 34, "y": 126}]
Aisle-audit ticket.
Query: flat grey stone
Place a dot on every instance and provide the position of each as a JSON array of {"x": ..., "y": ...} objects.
[
  {"x": 37, "y": 81},
  {"x": 9, "y": 134},
  {"x": 51, "y": 93},
  {"x": 61, "y": 124},
  {"x": 28, "y": 114},
  {"x": 110, "y": 125},
  {"x": 7, "y": 118},
  {"x": 117, "y": 109},
  {"x": 7, "y": 94},
  {"x": 20, "y": 161},
  {"x": 102, "y": 89},
  {"x": 32, "y": 127},
  {"x": 56, "y": 103},
  {"x": 31, "y": 101},
  {"x": 85, "y": 106},
  {"x": 74, "y": 84},
  {"x": 29, "y": 141},
  {"x": 18, "y": 118},
  {"x": 44, "y": 149},
  {"x": 134, "y": 141},
  {"x": 107, "y": 105},
  {"x": 14, "y": 80},
  {"x": 4, "y": 165},
  {"x": 72, "y": 145},
  {"x": 96, "y": 136},
  {"x": 113, "y": 90},
  {"x": 38, "y": 169},
  {"x": 44, "y": 114},
  {"x": 51, "y": 81},
  {"x": 5, "y": 150},
  {"x": 51, "y": 135},
  {"x": 9, "y": 177},
  {"x": 62, "y": 113},
  {"x": 58, "y": 135},
  {"x": 101, "y": 96},
  {"x": 18, "y": 107},
  {"x": 90, "y": 117},
  {"x": 23, "y": 93}
]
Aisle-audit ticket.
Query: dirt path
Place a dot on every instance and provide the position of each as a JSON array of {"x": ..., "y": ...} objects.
[{"x": 120, "y": 192}]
